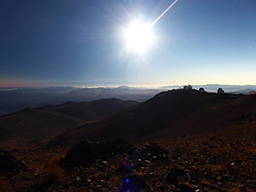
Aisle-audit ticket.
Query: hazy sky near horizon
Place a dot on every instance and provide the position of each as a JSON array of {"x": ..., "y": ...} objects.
[{"x": 67, "y": 42}]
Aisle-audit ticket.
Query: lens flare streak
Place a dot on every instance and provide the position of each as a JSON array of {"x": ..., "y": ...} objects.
[{"x": 160, "y": 16}]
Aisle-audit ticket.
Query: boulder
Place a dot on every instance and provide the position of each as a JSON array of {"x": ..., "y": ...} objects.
[{"x": 87, "y": 152}]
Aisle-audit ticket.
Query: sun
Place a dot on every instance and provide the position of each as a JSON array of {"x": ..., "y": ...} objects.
[{"x": 138, "y": 37}]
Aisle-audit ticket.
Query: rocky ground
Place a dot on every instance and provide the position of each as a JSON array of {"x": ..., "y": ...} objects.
[{"x": 199, "y": 163}]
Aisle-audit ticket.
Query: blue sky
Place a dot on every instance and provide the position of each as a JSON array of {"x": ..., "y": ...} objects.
[{"x": 66, "y": 42}]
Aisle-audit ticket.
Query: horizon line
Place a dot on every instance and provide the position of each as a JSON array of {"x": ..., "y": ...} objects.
[{"x": 120, "y": 85}]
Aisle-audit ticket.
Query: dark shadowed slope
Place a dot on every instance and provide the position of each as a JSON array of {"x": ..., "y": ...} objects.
[
  {"x": 171, "y": 113},
  {"x": 37, "y": 124}
]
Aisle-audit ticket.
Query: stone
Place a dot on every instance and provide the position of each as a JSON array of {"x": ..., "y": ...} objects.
[
  {"x": 9, "y": 164},
  {"x": 186, "y": 188},
  {"x": 154, "y": 153}
]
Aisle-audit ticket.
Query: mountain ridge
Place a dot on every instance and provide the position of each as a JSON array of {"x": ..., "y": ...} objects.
[
  {"x": 41, "y": 123},
  {"x": 168, "y": 112}
]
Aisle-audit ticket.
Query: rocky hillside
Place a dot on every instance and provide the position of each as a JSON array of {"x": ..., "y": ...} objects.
[
  {"x": 168, "y": 114},
  {"x": 182, "y": 141},
  {"x": 211, "y": 162}
]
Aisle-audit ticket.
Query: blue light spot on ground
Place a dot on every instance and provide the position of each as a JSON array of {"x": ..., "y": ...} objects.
[{"x": 127, "y": 180}]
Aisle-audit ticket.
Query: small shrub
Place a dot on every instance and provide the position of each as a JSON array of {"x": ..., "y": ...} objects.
[{"x": 53, "y": 173}]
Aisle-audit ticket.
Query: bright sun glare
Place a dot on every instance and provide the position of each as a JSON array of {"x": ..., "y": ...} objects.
[{"x": 138, "y": 37}]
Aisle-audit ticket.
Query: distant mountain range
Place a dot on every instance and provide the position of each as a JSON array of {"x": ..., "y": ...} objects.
[
  {"x": 33, "y": 125},
  {"x": 14, "y": 99}
]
